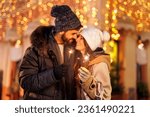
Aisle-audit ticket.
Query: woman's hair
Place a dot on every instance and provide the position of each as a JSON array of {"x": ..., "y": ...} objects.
[
  {"x": 40, "y": 36},
  {"x": 87, "y": 48}
]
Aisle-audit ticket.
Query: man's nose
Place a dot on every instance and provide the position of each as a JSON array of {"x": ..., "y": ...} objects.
[{"x": 74, "y": 36}]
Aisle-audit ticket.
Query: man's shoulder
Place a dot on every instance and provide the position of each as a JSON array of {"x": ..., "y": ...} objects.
[{"x": 31, "y": 51}]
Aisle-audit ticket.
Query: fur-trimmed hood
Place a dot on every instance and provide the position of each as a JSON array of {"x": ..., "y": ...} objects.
[{"x": 41, "y": 36}]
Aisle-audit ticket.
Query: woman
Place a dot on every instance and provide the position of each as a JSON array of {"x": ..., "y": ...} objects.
[{"x": 93, "y": 77}]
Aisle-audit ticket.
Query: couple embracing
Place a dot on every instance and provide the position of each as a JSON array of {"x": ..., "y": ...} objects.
[{"x": 66, "y": 61}]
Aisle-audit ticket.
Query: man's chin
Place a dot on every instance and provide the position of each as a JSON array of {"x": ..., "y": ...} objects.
[{"x": 70, "y": 41}]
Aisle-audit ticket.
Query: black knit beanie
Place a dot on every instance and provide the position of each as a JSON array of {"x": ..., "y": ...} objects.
[{"x": 65, "y": 18}]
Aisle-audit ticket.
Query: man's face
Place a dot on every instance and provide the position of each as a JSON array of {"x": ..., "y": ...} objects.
[{"x": 69, "y": 36}]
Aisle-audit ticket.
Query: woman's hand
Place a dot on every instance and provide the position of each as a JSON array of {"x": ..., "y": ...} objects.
[{"x": 84, "y": 74}]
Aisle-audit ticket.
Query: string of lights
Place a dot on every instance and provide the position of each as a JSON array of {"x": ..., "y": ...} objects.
[
  {"x": 136, "y": 10},
  {"x": 18, "y": 13}
]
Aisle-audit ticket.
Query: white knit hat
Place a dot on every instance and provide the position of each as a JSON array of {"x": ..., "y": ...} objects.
[{"x": 94, "y": 37}]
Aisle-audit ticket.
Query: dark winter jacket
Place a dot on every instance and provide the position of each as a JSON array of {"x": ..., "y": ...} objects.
[{"x": 36, "y": 75}]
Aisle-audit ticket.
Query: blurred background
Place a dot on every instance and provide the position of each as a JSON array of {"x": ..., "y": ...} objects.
[{"x": 127, "y": 21}]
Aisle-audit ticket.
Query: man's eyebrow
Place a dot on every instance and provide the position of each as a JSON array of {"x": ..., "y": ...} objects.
[{"x": 74, "y": 33}]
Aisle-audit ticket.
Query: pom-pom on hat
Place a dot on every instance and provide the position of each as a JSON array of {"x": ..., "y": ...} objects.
[
  {"x": 95, "y": 37},
  {"x": 65, "y": 18}
]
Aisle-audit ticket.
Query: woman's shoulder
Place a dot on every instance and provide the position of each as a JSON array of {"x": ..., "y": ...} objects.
[
  {"x": 100, "y": 65},
  {"x": 105, "y": 58}
]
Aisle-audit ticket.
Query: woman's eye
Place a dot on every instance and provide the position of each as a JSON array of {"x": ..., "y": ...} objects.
[
  {"x": 81, "y": 38},
  {"x": 78, "y": 36}
]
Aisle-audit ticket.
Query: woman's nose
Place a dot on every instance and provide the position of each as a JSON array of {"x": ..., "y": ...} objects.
[{"x": 78, "y": 39}]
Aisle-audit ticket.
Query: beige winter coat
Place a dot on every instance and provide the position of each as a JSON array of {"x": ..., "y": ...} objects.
[{"x": 99, "y": 85}]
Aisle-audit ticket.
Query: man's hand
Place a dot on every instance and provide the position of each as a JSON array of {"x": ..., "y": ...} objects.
[
  {"x": 84, "y": 74},
  {"x": 60, "y": 71}
]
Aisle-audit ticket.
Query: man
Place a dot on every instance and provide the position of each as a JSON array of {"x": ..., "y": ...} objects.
[{"x": 48, "y": 68}]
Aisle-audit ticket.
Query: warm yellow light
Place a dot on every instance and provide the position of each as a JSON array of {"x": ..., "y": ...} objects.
[
  {"x": 113, "y": 25},
  {"x": 45, "y": 7},
  {"x": 86, "y": 58},
  {"x": 18, "y": 43},
  {"x": 13, "y": 8},
  {"x": 30, "y": 14},
  {"x": 84, "y": 2},
  {"x": 85, "y": 8},
  {"x": 111, "y": 60},
  {"x": 34, "y": 7},
  {"x": 112, "y": 35},
  {"x": 118, "y": 35},
  {"x": 62, "y": 1},
  {"x": 4, "y": 14},
  {"x": 81, "y": 16},
  {"x": 141, "y": 46},
  {"x": 115, "y": 11},
  {"x": 22, "y": 22},
  {"x": 114, "y": 17},
  {"x": 17, "y": 13},
  {"x": 129, "y": 13},
  {"x": 134, "y": 2},
  {"x": 81, "y": 19},
  {"x": 50, "y": 4},
  {"x": 71, "y": 51},
  {"x": 93, "y": 9},
  {"x": 107, "y": 28},
  {"x": 140, "y": 25},
  {"x": 77, "y": 1},
  {"x": 104, "y": 48},
  {"x": 121, "y": 8},
  {"x": 84, "y": 22},
  {"x": 106, "y": 15},
  {"x": 125, "y": 3},
  {"x": 25, "y": 19},
  {"x": 44, "y": 21},
  {"x": 40, "y": 2},
  {"x": 111, "y": 43},
  {"x": 94, "y": 14},
  {"x": 77, "y": 13},
  {"x": 96, "y": 23},
  {"x": 106, "y": 21},
  {"x": 28, "y": 5},
  {"x": 7, "y": 8},
  {"x": 107, "y": 6}
]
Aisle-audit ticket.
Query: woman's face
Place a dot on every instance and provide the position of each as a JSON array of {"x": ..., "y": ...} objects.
[{"x": 80, "y": 43}]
